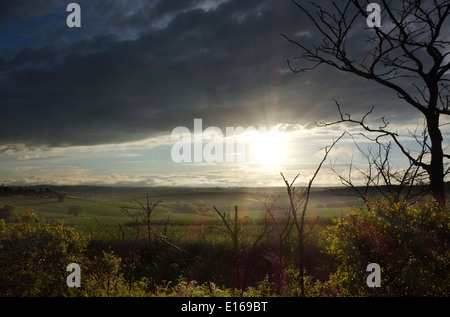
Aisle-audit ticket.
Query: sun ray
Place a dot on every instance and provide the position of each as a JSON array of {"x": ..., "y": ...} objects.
[{"x": 268, "y": 150}]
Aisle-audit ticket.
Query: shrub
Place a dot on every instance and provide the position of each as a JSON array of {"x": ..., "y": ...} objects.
[
  {"x": 75, "y": 210},
  {"x": 7, "y": 212},
  {"x": 102, "y": 277},
  {"x": 192, "y": 288},
  {"x": 409, "y": 242},
  {"x": 34, "y": 255}
]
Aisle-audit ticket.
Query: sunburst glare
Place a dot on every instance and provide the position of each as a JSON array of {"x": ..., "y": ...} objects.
[{"x": 268, "y": 150}]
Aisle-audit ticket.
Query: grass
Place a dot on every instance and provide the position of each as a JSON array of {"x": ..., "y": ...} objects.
[
  {"x": 187, "y": 241},
  {"x": 189, "y": 212},
  {"x": 105, "y": 204}
]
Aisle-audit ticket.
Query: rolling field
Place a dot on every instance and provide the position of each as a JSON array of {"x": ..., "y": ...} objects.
[
  {"x": 185, "y": 237},
  {"x": 183, "y": 208},
  {"x": 106, "y": 203}
]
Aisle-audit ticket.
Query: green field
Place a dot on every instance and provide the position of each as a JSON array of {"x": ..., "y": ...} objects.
[
  {"x": 105, "y": 204},
  {"x": 185, "y": 221},
  {"x": 195, "y": 235},
  {"x": 185, "y": 211}
]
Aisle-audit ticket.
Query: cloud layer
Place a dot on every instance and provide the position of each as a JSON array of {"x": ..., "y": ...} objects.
[
  {"x": 97, "y": 104},
  {"x": 137, "y": 69}
]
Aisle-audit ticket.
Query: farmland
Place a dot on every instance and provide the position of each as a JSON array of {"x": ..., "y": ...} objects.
[
  {"x": 105, "y": 204},
  {"x": 215, "y": 242},
  {"x": 194, "y": 235}
]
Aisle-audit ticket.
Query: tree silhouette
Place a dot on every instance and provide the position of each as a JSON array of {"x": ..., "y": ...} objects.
[
  {"x": 75, "y": 210},
  {"x": 409, "y": 55},
  {"x": 7, "y": 212}
]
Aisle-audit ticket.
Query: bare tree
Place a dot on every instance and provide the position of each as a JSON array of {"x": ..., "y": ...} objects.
[
  {"x": 298, "y": 203},
  {"x": 143, "y": 220},
  {"x": 281, "y": 230},
  {"x": 234, "y": 229},
  {"x": 145, "y": 226},
  {"x": 410, "y": 56},
  {"x": 381, "y": 177}
]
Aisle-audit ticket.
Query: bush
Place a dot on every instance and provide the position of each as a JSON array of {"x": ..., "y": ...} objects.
[
  {"x": 34, "y": 255},
  {"x": 75, "y": 210},
  {"x": 102, "y": 277},
  {"x": 7, "y": 212},
  {"x": 184, "y": 288},
  {"x": 409, "y": 242}
]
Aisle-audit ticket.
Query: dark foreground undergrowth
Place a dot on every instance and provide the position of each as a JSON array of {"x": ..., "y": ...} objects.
[{"x": 234, "y": 257}]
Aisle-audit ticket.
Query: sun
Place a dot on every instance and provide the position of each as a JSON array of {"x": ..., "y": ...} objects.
[{"x": 269, "y": 150}]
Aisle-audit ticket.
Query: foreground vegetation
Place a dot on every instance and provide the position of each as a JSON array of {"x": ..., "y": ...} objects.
[{"x": 227, "y": 253}]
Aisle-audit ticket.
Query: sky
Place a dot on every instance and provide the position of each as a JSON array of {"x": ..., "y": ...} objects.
[{"x": 97, "y": 104}]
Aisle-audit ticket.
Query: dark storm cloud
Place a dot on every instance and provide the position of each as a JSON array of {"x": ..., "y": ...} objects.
[
  {"x": 139, "y": 68},
  {"x": 18, "y": 11}
]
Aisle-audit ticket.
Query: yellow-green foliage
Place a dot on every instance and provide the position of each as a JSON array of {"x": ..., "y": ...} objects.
[
  {"x": 102, "y": 278},
  {"x": 34, "y": 254},
  {"x": 411, "y": 243}
]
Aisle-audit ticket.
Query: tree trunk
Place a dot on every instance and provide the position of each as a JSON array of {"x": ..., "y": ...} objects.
[{"x": 436, "y": 167}]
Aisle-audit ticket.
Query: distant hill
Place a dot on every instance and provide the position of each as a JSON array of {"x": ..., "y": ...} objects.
[{"x": 108, "y": 192}]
